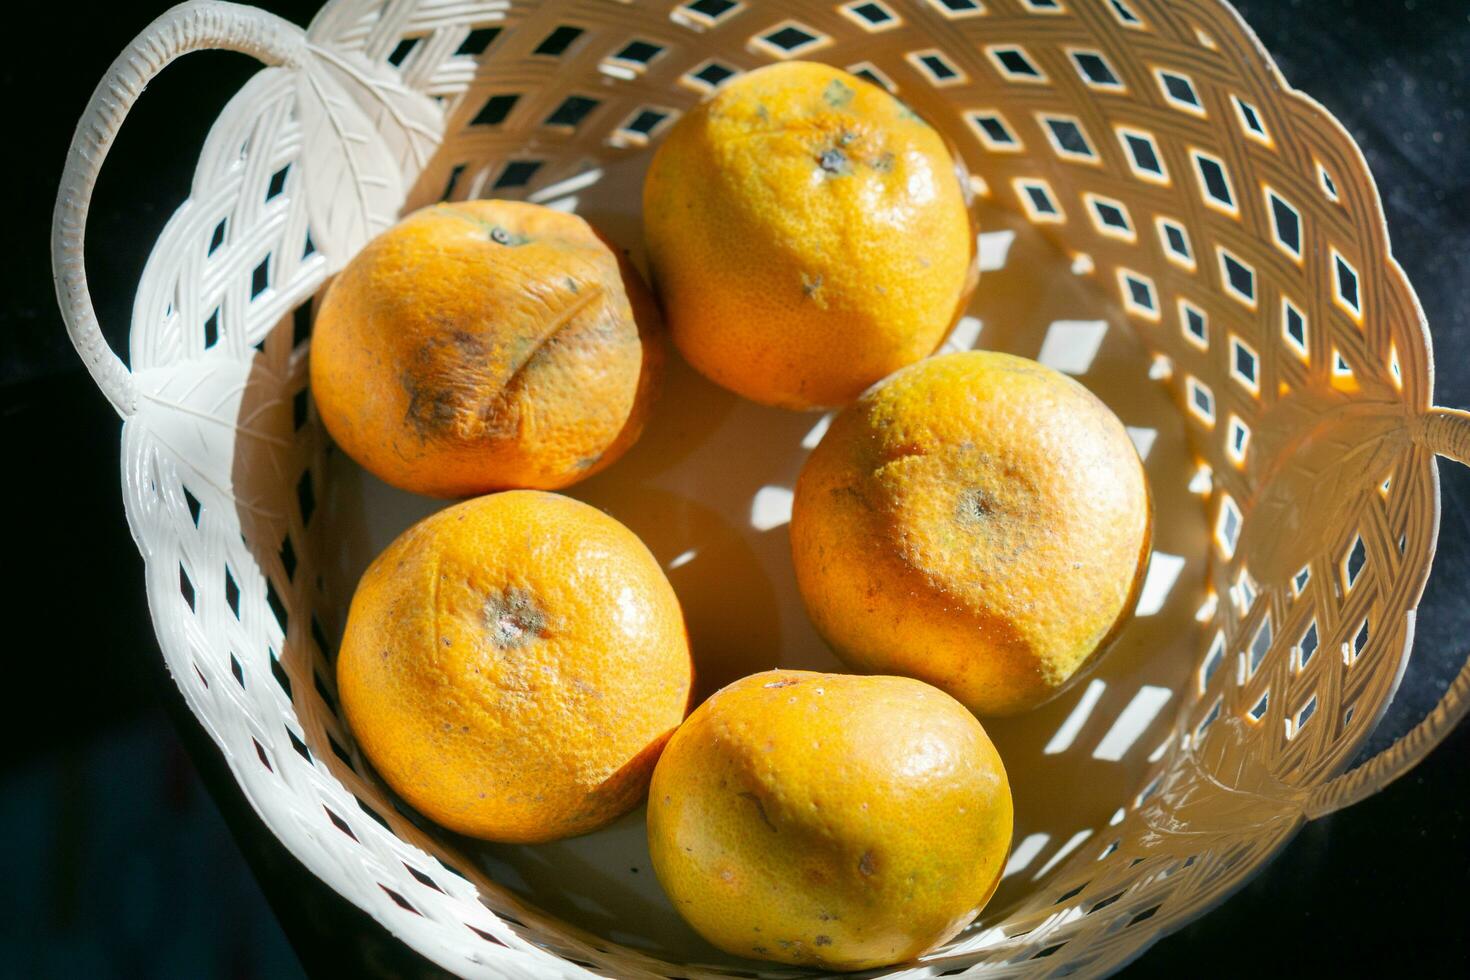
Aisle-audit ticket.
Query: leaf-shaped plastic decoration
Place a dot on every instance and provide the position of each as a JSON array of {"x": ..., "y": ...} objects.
[
  {"x": 352, "y": 25},
  {"x": 216, "y": 419},
  {"x": 1312, "y": 487},
  {"x": 409, "y": 123},
  {"x": 354, "y": 189}
]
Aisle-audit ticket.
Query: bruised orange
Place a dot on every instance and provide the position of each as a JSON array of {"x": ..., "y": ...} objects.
[
  {"x": 513, "y": 666},
  {"x": 807, "y": 235},
  {"x": 978, "y": 521},
  {"x": 485, "y": 345},
  {"x": 829, "y": 820}
]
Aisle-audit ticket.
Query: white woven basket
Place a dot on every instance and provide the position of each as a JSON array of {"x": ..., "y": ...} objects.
[{"x": 1156, "y": 201}]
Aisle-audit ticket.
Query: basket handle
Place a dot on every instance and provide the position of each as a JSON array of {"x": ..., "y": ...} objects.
[
  {"x": 195, "y": 26},
  {"x": 1445, "y": 432}
]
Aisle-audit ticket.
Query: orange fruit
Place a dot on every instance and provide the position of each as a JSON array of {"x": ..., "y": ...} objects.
[
  {"x": 485, "y": 345},
  {"x": 808, "y": 235},
  {"x": 513, "y": 665},
  {"x": 829, "y": 820},
  {"x": 977, "y": 521}
]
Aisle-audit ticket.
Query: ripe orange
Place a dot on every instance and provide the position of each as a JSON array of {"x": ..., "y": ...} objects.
[
  {"x": 485, "y": 345},
  {"x": 829, "y": 820},
  {"x": 977, "y": 521},
  {"x": 808, "y": 235},
  {"x": 513, "y": 665}
]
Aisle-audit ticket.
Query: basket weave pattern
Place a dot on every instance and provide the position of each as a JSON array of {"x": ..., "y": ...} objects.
[{"x": 1231, "y": 218}]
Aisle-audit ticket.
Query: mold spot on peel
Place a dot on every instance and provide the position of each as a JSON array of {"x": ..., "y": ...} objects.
[
  {"x": 837, "y": 94},
  {"x": 904, "y": 112},
  {"x": 975, "y": 506},
  {"x": 868, "y": 863},
  {"x": 835, "y": 162},
  {"x": 513, "y": 618},
  {"x": 783, "y": 682}
]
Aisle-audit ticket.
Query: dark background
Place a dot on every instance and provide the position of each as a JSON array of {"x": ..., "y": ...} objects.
[{"x": 127, "y": 851}]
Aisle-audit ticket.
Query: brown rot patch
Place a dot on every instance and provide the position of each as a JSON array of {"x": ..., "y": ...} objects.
[
  {"x": 513, "y": 618},
  {"x": 436, "y": 382},
  {"x": 822, "y": 941},
  {"x": 431, "y": 409},
  {"x": 759, "y": 808}
]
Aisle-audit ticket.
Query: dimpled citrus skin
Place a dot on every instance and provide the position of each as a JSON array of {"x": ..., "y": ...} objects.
[
  {"x": 830, "y": 820},
  {"x": 513, "y": 665},
  {"x": 485, "y": 345},
  {"x": 978, "y": 521},
  {"x": 807, "y": 235}
]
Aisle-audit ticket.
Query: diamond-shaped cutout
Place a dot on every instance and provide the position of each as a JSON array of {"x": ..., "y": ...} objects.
[
  {"x": 194, "y": 506},
  {"x": 1244, "y": 364},
  {"x": 1239, "y": 278},
  {"x": 186, "y": 587},
  {"x": 572, "y": 110},
  {"x": 936, "y": 67},
  {"x": 1258, "y": 711},
  {"x": 1068, "y": 138},
  {"x": 639, "y": 52},
  {"x": 994, "y": 131},
  {"x": 1307, "y": 645},
  {"x": 1345, "y": 282},
  {"x": 1353, "y": 562},
  {"x": 711, "y": 11},
  {"x": 791, "y": 38},
  {"x": 401, "y": 51},
  {"x": 1214, "y": 182},
  {"x": 1193, "y": 323},
  {"x": 711, "y": 75},
  {"x": 477, "y": 41},
  {"x": 517, "y": 173},
  {"x": 1260, "y": 645},
  {"x": 1286, "y": 224},
  {"x": 277, "y": 183},
  {"x": 232, "y": 593},
  {"x": 1095, "y": 70},
  {"x": 260, "y": 278},
  {"x": 1143, "y": 155},
  {"x": 870, "y": 15},
  {"x": 305, "y": 496},
  {"x": 495, "y": 110},
  {"x": 1014, "y": 63},
  {"x": 1250, "y": 120},
  {"x": 1179, "y": 91},
  {"x": 555, "y": 44}
]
